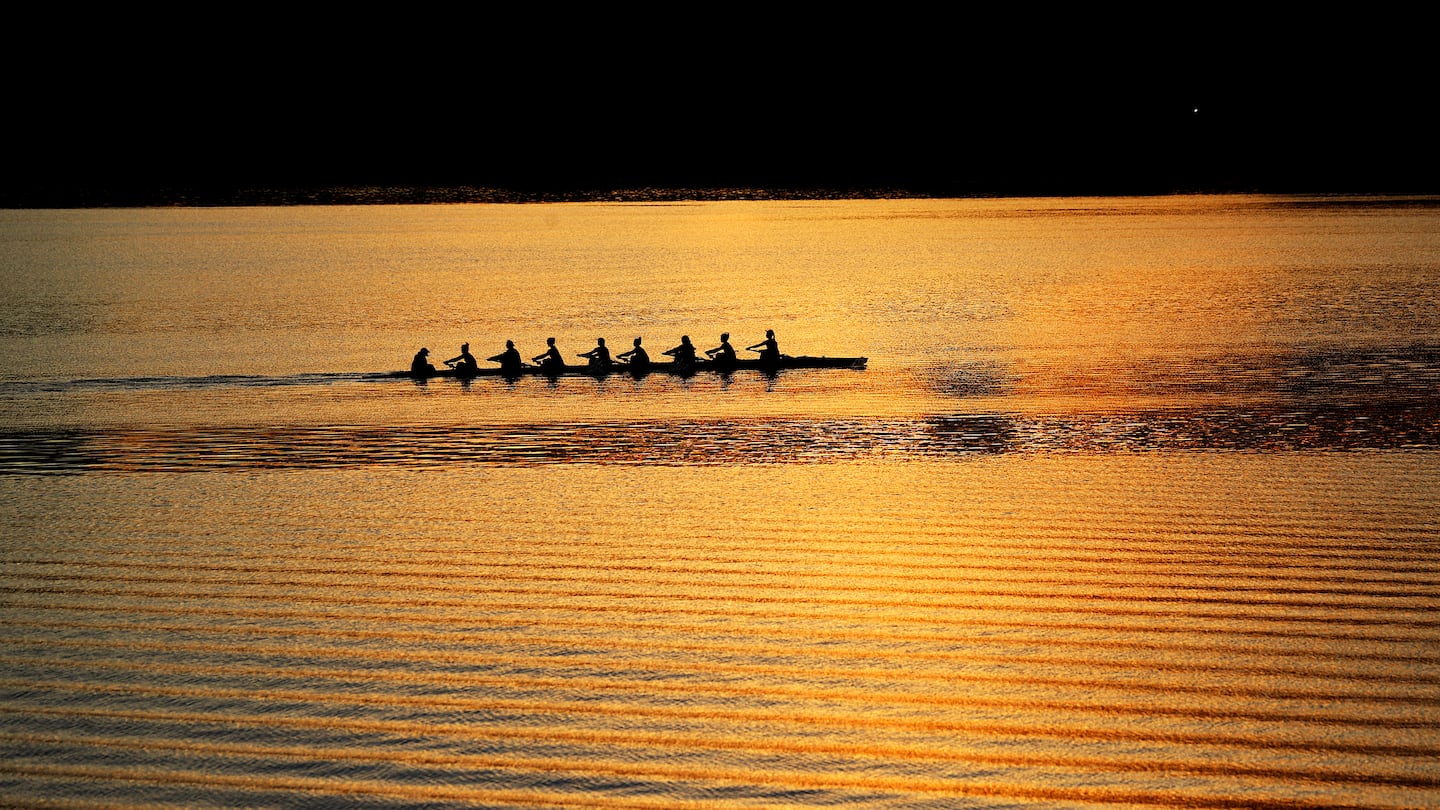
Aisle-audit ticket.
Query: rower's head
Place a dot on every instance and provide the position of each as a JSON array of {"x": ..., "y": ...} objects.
[
  {"x": 600, "y": 341},
  {"x": 637, "y": 341},
  {"x": 509, "y": 344},
  {"x": 464, "y": 347},
  {"x": 724, "y": 336},
  {"x": 424, "y": 351},
  {"x": 769, "y": 333},
  {"x": 685, "y": 339},
  {"x": 549, "y": 341}
]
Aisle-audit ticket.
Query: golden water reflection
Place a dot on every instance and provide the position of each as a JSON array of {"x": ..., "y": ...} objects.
[
  {"x": 1133, "y": 506},
  {"x": 1166, "y": 629}
]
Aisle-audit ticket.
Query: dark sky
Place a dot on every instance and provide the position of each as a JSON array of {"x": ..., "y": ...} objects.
[{"x": 887, "y": 106}]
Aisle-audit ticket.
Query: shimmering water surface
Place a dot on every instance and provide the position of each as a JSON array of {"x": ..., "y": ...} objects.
[{"x": 1134, "y": 505}]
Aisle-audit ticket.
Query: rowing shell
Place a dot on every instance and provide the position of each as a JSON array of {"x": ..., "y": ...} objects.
[{"x": 676, "y": 369}]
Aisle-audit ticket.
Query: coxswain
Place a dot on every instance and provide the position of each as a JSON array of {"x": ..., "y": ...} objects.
[
  {"x": 421, "y": 365},
  {"x": 509, "y": 359}
]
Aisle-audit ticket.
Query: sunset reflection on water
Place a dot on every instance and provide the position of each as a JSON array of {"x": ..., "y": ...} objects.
[
  {"x": 1131, "y": 506},
  {"x": 1042, "y": 630}
]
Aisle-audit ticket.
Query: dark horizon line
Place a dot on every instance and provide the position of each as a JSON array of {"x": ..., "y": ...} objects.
[{"x": 411, "y": 193}]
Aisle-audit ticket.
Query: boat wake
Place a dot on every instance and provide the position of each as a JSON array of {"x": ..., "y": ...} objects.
[{"x": 180, "y": 383}]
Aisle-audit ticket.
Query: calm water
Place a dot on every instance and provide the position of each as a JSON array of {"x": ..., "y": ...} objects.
[{"x": 1133, "y": 506}]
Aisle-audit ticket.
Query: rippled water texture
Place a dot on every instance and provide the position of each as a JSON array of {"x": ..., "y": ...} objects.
[{"x": 1133, "y": 506}]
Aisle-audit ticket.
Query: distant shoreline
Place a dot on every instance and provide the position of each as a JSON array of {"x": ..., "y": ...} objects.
[
  {"x": 176, "y": 197},
  {"x": 407, "y": 195}
]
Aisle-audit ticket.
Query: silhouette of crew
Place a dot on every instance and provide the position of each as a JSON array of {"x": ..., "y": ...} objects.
[
  {"x": 638, "y": 358},
  {"x": 509, "y": 359},
  {"x": 599, "y": 357},
  {"x": 465, "y": 363},
  {"x": 769, "y": 349},
  {"x": 724, "y": 354},
  {"x": 684, "y": 354},
  {"x": 551, "y": 360},
  {"x": 421, "y": 365}
]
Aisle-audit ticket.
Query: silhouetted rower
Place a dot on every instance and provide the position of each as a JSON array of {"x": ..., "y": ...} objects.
[
  {"x": 599, "y": 356},
  {"x": 421, "y": 365},
  {"x": 509, "y": 359},
  {"x": 638, "y": 358},
  {"x": 551, "y": 360},
  {"x": 724, "y": 354},
  {"x": 769, "y": 349},
  {"x": 684, "y": 354},
  {"x": 465, "y": 364}
]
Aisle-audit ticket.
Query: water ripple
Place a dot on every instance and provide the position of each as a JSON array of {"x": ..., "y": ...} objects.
[{"x": 1362, "y": 426}]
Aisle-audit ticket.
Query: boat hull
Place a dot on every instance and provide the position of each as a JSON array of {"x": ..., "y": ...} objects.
[{"x": 673, "y": 369}]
